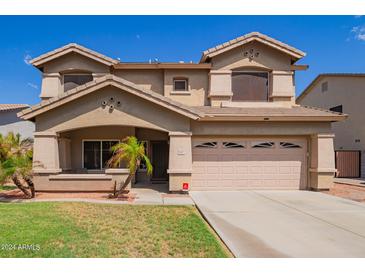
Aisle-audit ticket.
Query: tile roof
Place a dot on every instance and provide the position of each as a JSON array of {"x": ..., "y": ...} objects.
[
  {"x": 108, "y": 80},
  {"x": 5, "y": 107},
  {"x": 273, "y": 113},
  {"x": 248, "y": 38},
  {"x": 322, "y": 75},
  {"x": 72, "y": 47}
]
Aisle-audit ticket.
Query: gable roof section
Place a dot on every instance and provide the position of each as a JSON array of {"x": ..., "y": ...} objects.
[
  {"x": 309, "y": 88},
  {"x": 6, "y": 107},
  {"x": 295, "y": 113},
  {"x": 72, "y": 47},
  {"x": 252, "y": 36},
  {"x": 109, "y": 80}
]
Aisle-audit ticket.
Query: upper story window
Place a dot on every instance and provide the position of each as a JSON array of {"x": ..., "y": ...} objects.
[
  {"x": 337, "y": 109},
  {"x": 324, "y": 86},
  {"x": 180, "y": 84},
  {"x": 71, "y": 81},
  {"x": 250, "y": 86}
]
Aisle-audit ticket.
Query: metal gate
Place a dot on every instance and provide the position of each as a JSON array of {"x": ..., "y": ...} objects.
[{"x": 348, "y": 164}]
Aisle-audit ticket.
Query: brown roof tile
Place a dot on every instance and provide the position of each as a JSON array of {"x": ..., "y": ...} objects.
[
  {"x": 5, "y": 107},
  {"x": 249, "y": 37},
  {"x": 272, "y": 113}
]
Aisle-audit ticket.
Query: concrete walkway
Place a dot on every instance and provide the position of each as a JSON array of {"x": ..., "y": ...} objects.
[
  {"x": 143, "y": 196},
  {"x": 285, "y": 223}
]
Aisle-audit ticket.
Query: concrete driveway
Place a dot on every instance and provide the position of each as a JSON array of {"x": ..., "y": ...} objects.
[{"x": 285, "y": 223}]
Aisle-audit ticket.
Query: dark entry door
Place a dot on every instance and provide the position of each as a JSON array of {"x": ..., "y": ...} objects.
[{"x": 160, "y": 158}]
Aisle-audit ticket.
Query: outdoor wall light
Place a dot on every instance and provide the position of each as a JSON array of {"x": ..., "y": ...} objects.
[{"x": 251, "y": 54}]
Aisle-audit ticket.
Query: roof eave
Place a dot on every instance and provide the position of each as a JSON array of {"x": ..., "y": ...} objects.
[
  {"x": 80, "y": 91},
  {"x": 47, "y": 57},
  {"x": 273, "y": 118},
  {"x": 297, "y": 54}
]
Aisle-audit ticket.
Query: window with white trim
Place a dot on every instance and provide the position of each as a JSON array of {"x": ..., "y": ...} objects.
[
  {"x": 96, "y": 153},
  {"x": 232, "y": 145},
  {"x": 74, "y": 80},
  {"x": 207, "y": 145},
  {"x": 289, "y": 145},
  {"x": 180, "y": 84},
  {"x": 262, "y": 144}
]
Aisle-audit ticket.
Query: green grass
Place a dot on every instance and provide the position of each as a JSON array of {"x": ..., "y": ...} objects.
[
  {"x": 6, "y": 187},
  {"x": 101, "y": 230}
]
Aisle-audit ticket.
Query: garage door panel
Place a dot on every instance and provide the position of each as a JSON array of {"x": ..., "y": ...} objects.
[{"x": 239, "y": 168}]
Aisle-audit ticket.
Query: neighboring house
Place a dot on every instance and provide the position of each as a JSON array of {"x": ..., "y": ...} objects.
[
  {"x": 343, "y": 93},
  {"x": 227, "y": 122},
  {"x": 10, "y": 122}
]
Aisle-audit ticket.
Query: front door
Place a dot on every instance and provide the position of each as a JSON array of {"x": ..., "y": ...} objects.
[{"x": 160, "y": 158}]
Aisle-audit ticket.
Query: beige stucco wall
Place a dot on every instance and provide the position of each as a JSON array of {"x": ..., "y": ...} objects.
[
  {"x": 74, "y": 61},
  {"x": 259, "y": 128},
  {"x": 88, "y": 111},
  {"x": 350, "y": 93},
  {"x": 146, "y": 78},
  {"x": 322, "y": 161},
  {"x": 197, "y": 82},
  {"x": 269, "y": 58}
]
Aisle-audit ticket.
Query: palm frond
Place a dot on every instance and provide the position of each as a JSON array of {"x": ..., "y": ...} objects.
[{"x": 131, "y": 151}]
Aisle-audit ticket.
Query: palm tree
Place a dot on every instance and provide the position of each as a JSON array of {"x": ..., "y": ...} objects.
[
  {"x": 132, "y": 152},
  {"x": 16, "y": 162}
]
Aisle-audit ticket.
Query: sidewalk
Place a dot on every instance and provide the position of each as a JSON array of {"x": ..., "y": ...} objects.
[{"x": 138, "y": 196}]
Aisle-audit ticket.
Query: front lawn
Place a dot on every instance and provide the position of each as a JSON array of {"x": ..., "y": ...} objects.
[
  {"x": 7, "y": 187},
  {"x": 101, "y": 230}
]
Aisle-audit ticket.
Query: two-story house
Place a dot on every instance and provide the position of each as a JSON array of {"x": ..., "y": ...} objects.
[
  {"x": 227, "y": 122},
  {"x": 343, "y": 93}
]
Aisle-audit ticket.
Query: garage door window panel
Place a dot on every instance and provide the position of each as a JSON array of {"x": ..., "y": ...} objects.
[
  {"x": 262, "y": 144},
  {"x": 289, "y": 145},
  {"x": 232, "y": 145},
  {"x": 207, "y": 145}
]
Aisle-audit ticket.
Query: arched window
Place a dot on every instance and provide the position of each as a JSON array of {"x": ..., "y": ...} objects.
[{"x": 73, "y": 80}]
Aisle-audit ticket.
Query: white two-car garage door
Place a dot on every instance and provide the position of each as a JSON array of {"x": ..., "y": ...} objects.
[{"x": 243, "y": 163}]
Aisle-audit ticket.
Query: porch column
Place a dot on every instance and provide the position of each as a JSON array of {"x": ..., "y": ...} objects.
[
  {"x": 45, "y": 153},
  {"x": 64, "y": 148},
  {"x": 180, "y": 160},
  {"x": 322, "y": 164}
]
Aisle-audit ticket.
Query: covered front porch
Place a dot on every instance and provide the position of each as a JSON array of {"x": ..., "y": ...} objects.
[{"x": 76, "y": 160}]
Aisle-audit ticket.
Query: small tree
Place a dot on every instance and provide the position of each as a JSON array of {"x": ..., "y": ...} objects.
[
  {"x": 131, "y": 151},
  {"x": 16, "y": 162}
]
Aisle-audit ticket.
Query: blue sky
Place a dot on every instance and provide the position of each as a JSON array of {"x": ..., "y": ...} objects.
[{"x": 332, "y": 43}]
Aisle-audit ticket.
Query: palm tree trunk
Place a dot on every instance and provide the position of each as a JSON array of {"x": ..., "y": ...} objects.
[
  {"x": 123, "y": 185},
  {"x": 30, "y": 184},
  {"x": 19, "y": 185}
]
